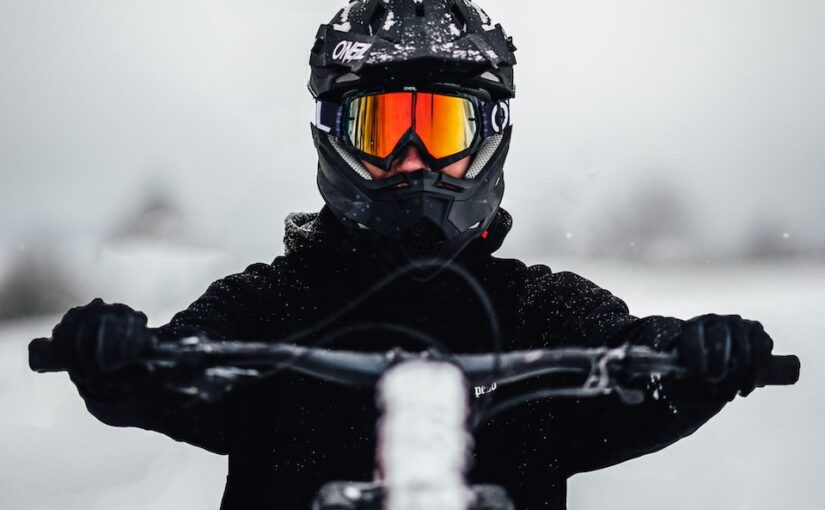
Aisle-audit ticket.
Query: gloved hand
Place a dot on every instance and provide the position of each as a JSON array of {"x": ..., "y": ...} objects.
[
  {"x": 102, "y": 345},
  {"x": 726, "y": 351}
]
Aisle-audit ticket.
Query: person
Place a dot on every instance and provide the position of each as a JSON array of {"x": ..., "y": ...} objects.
[{"x": 412, "y": 130}]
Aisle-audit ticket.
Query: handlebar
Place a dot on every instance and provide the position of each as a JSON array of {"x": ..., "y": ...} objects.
[
  {"x": 364, "y": 369},
  {"x": 44, "y": 357},
  {"x": 783, "y": 370}
]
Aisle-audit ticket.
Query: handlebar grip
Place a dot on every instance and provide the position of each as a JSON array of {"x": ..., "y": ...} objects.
[
  {"x": 44, "y": 356},
  {"x": 782, "y": 371}
]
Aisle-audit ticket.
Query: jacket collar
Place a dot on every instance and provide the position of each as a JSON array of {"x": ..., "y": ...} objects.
[{"x": 322, "y": 232}]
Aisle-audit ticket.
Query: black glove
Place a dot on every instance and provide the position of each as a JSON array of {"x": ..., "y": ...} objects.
[
  {"x": 102, "y": 345},
  {"x": 727, "y": 351}
]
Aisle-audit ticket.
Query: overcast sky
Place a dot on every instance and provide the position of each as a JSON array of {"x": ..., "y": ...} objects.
[{"x": 207, "y": 98}]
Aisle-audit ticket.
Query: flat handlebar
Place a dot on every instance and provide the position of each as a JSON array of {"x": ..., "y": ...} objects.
[{"x": 364, "y": 369}]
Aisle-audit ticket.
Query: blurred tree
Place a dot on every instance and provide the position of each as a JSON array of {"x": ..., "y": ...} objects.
[
  {"x": 650, "y": 223},
  {"x": 156, "y": 218},
  {"x": 35, "y": 284},
  {"x": 771, "y": 239}
]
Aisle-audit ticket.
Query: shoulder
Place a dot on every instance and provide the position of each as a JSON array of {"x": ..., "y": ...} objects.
[
  {"x": 565, "y": 308},
  {"x": 566, "y": 295},
  {"x": 498, "y": 274},
  {"x": 513, "y": 267},
  {"x": 255, "y": 277},
  {"x": 540, "y": 282},
  {"x": 258, "y": 270},
  {"x": 537, "y": 279}
]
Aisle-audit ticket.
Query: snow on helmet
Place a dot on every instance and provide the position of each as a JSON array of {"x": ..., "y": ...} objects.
[{"x": 417, "y": 47}]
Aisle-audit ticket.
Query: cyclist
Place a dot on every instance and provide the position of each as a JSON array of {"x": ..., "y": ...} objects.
[{"x": 412, "y": 130}]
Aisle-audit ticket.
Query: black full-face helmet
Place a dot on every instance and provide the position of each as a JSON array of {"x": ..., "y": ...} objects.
[{"x": 421, "y": 51}]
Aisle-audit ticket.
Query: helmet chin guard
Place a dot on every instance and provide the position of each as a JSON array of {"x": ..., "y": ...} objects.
[{"x": 412, "y": 217}]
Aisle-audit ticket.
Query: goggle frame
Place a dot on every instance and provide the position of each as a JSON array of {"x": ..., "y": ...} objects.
[{"x": 492, "y": 117}]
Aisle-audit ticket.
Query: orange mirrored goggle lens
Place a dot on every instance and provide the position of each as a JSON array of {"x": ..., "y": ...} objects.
[
  {"x": 377, "y": 123},
  {"x": 445, "y": 124}
]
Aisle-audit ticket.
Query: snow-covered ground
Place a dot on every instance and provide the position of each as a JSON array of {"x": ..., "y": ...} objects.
[{"x": 763, "y": 452}]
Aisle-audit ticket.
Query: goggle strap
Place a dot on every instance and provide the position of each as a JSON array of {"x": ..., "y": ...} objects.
[
  {"x": 495, "y": 117},
  {"x": 328, "y": 117}
]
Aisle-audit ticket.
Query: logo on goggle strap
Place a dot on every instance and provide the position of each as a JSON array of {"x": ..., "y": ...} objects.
[
  {"x": 347, "y": 51},
  {"x": 500, "y": 117}
]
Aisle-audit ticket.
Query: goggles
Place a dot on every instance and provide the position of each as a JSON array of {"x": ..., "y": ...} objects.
[{"x": 445, "y": 126}]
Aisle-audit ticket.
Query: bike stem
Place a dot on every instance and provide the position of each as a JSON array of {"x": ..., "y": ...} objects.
[{"x": 423, "y": 439}]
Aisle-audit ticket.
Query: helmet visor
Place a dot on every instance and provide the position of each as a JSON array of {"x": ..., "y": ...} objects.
[{"x": 446, "y": 125}]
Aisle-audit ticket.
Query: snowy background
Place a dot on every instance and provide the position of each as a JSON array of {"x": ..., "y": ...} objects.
[{"x": 672, "y": 152}]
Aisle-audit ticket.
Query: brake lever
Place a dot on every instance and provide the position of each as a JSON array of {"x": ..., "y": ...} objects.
[{"x": 601, "y": 380}]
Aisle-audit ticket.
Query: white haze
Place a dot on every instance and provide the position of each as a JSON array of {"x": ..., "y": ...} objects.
[
  {"x": 719, "y": 106},
  {"x": 724, "y": 100}
]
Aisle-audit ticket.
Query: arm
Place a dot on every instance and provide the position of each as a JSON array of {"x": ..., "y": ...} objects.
[
  {"x": 234, "y": 307},
  {"x": 602, "y": 432}
]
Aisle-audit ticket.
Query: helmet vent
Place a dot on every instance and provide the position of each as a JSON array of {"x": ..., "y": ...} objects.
[
  {"x": 319, "y": 43},
  {"x": 423, "y": 240},
  {"x": 459, "y": 17},
  {"x": 377, "y": 19},
  {"x": 487, "y": 75},
  {"x": 448, "y": 186},
  {"x": 346, "y": 78},
  {"x": 419, "y": 7}
]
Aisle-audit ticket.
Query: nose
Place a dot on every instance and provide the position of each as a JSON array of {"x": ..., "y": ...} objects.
[{"x": 409, "y": 161}]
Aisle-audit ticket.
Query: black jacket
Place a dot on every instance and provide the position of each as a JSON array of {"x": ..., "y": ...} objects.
[{"x": 291, "y": 434}]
